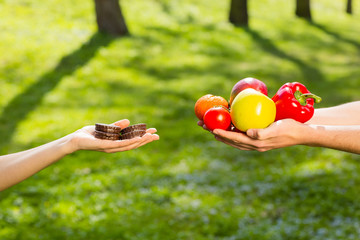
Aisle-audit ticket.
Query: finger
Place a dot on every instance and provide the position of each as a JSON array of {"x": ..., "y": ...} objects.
[
  {"x": 134, "y": 143},
  {"x": 231, "y": 136},
  {"x": 151, "y": 130},
  {"x": 139, "y": 142},
  {"x": 127, "y": 147},
  {"x": 155, "y": 137},
  {"x": 232, "y": 144},
  {"x": 149, "y": 139},
  {"x": 264, "y": 133},
  {"x": 201, "y": 124},
  {"x": 122, "y": 123},
  {"x": 261, "y": 134},
  {"x": 253, "y": 133},
  {"x": 238, "y": 139},
  {"x": 111, "y": 144}
]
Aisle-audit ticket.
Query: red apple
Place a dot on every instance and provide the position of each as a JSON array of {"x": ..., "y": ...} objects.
[{"x": 248, "y": 83}]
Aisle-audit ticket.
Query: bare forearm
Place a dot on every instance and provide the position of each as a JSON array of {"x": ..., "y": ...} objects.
[
  {"x": 345, "y": 138},
  {"x": 16, "y": 167},
  {"x": 337, "y": 127},
  {"x": 345, "y": 114}
]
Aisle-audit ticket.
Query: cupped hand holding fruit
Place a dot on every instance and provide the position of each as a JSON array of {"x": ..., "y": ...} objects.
[
  {"x": 253, "y": 114},
  {"x": 283, "y": 133}
]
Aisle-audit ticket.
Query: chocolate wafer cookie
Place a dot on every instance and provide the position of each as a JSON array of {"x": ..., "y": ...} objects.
[
  {"x": 135, "y": 127},
  {"x": 107, "y": 135},
  {"x": 132, "y": 134},
  {"x": 108, "y": 128}
]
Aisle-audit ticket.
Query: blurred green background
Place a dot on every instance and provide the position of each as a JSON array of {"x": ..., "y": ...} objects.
[{"x": 57, "y": 75}]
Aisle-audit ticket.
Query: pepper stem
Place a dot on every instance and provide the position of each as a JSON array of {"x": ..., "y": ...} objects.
[{"x": 302, "y": 97}]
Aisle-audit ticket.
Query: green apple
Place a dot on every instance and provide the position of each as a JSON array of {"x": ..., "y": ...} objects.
[{"x": 252, "y": 109}]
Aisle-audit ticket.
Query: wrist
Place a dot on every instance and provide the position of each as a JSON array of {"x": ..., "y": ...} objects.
[
  {"x": 309, "y": 135},
  {"x": 69, "y": 144}
]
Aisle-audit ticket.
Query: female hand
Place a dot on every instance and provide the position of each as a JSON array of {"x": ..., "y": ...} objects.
[
  {"x": 84, "y": 139},
  {"x": 16, "y": 167}
]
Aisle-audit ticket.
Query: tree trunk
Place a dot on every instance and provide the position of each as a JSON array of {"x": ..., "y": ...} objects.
[
  {"x": 349, "y": 7},
  {"x": 110, "y": 18},
  {"x": 303, "y": 9},
  {"x": 239, "y": 13}
]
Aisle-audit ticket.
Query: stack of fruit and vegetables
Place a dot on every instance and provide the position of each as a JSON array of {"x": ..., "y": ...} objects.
[{"x": 250, "y": 107}]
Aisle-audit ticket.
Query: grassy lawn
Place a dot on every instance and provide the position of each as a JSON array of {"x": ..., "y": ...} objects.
[{"x": 57, "y": 75}]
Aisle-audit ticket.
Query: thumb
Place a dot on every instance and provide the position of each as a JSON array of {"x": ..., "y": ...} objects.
[
  {"x": 258, "y": 134},
  {"x": 253, "y": 133},
  {"x": 122, "y": 123}
]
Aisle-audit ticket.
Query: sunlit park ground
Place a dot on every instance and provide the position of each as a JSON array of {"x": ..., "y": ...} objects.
[{"x": 57, "y": 75}]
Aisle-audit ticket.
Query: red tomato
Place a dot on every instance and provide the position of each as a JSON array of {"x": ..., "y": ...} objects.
[{"x": 217, "y": 118}]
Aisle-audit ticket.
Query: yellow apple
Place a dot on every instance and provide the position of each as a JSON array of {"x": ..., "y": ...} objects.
[{"x": 252, "y": 109}]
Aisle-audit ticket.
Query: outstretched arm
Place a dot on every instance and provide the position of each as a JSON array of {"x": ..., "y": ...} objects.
[
  {"x": 16, "y": 167},
  {"x": 345, "y": 114},
  {"x": 288, "y": 132},
  {"x": 335, "y": 127}
]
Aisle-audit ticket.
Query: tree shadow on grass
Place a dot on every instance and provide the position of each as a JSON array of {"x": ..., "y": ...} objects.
[
  {"x": 23, "y": 104},
  {"x": 336, "y": 35},
  {"x": 220, "y": 50},
  {"x": 309, "y": 72}
]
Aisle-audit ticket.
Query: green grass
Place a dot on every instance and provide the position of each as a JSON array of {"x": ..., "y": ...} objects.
[{"x": 58, "y": 75}]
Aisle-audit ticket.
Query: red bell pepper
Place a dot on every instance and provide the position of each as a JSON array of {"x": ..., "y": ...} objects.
[{"x": 293, "y": 100}]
